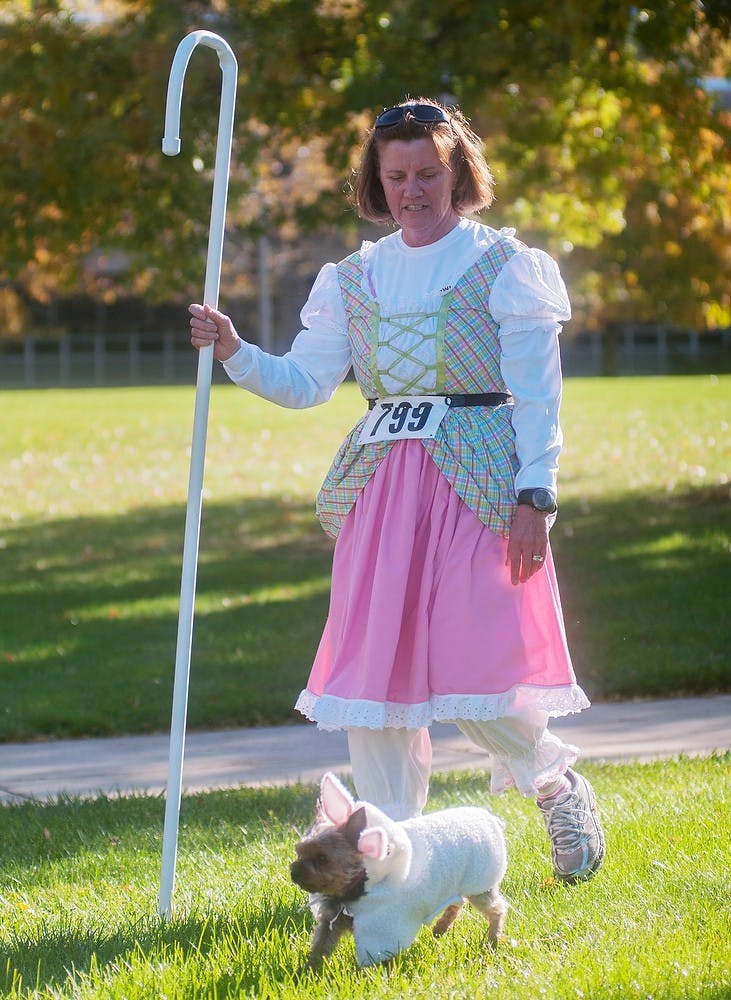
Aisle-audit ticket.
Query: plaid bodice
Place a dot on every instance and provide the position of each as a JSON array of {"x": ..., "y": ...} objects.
[{"x": 454, "y": 348}]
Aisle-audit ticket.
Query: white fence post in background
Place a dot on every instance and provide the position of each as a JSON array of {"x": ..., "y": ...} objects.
[
  {"x": 29, "y": 360},
  {"x": 171, "y": 147},
  {"x": 266, "y": 337}
]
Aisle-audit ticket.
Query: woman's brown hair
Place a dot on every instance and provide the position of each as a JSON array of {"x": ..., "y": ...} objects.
[{"x": 456, "y": 145}]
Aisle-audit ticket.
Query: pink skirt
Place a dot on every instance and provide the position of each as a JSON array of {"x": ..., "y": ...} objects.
[{"x": 424, "y": 623}]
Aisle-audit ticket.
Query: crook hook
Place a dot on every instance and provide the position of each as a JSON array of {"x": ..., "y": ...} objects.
[{"x": 229, "y": 69}]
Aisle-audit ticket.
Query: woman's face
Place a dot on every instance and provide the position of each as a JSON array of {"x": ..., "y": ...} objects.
[{"x": 418, "y": 189}]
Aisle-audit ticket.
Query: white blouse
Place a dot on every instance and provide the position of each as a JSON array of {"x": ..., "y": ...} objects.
[{"x": 528, "y": 301}]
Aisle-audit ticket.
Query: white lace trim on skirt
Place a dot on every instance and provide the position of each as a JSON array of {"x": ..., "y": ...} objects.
[{"x": 332, "y": 713}]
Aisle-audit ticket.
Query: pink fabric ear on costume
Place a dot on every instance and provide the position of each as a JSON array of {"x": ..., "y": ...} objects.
[
  {"x": 373, "y": 843},
  {"x": 337, "y": 803}
]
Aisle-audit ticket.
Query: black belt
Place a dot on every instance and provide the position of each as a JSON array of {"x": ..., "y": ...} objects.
[{"x": 468, "y": 399}]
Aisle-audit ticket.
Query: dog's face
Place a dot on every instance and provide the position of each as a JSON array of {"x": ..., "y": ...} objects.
[{"x": 328, "y": 860}]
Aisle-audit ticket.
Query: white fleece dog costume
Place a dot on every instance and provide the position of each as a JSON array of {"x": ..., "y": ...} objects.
[{"x": 417, "y": 868}]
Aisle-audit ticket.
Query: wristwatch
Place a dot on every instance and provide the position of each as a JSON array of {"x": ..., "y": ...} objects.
[{"x": 539, "y": 499}]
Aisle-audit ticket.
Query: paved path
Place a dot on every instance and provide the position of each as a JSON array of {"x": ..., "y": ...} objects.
[{"x": 637, "y": 730}]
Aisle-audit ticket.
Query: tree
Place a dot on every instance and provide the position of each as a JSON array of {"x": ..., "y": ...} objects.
[
  {"x": 622, "y": 159},
  {"x": 78, "y": 169},
  {"x": 605, "y": 145}
]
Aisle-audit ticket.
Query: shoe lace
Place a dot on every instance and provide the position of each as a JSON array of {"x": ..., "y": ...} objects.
[{"x": 566, "y": 821}]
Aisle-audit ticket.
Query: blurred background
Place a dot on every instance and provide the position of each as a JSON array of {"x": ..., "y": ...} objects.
[{"x": 605, "y": 123}]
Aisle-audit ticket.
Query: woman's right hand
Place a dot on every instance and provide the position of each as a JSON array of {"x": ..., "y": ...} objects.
[{"x": 209, "y": 326}]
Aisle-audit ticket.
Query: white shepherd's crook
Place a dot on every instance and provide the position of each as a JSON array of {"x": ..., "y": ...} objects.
[{"x": 171, "y": 146}]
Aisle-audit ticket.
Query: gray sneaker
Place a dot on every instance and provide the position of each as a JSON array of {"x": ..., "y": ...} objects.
[{"x": 572, "y": 822}]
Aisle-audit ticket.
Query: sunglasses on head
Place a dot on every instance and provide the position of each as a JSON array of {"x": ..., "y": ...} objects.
[{"x": 424, "y": 114}]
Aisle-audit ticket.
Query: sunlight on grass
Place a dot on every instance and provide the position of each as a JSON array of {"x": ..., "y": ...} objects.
[
  {"x": 140, "y": 610},
  {"x": 100, "y": 451},
  {"x": 93, "y": 487},
  {"x": 271, "y": 595},
  {"x": 672, "y": 551},
  {"x": 79, "y": 881},
  {"x": 210, "y": 602},
  {"x": 635, "y": 434},
  {"x": 113, "y": 449}
]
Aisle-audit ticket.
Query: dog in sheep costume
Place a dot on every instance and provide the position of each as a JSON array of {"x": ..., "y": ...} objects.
[{"x": 383, "y": 879}]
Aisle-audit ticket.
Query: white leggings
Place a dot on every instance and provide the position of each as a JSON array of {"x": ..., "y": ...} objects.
[{"x": 391, "y": 767}]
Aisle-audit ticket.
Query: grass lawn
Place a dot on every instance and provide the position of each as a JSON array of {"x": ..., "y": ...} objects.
[
  {"x": 79, "y": 881},
  {"x": 92, "y": 503}
]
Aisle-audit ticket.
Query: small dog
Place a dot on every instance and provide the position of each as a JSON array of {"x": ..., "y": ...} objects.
[{"x": 383, "y": 879}]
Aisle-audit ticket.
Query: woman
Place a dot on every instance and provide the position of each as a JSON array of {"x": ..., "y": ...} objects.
[{"x": 444, "y": 600}]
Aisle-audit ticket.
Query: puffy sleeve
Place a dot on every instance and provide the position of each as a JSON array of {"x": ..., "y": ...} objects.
[
  {"x": 318, "y": 360},
  {"x": 529, "y": 302}
]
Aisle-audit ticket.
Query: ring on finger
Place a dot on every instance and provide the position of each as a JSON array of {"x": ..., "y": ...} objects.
[{"x": 537, "y": 558}]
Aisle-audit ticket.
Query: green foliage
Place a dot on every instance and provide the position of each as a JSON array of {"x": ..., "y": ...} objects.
[
  {"x": 603, "y": 142},
  {"x": 79, "y": 880},
  {"x": 92, "y": 500},
  {"x": 80, "y": 173}
]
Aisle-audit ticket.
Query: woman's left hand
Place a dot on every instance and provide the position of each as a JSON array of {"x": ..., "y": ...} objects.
[{"x": 527, "y": 543}]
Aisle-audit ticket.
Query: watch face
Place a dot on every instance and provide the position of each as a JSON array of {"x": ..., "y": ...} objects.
[{"x": 542, "y": 499}]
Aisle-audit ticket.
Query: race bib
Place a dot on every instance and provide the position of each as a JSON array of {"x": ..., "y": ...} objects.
[{"x": 396, "y": 418}]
